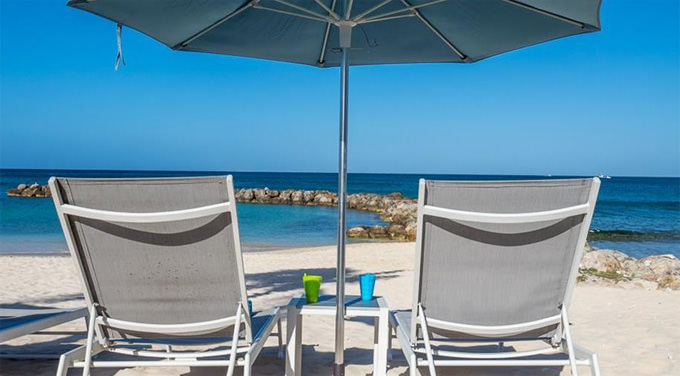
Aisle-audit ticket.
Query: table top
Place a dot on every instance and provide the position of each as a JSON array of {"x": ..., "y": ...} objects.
[{"x": 327, "y": 302}]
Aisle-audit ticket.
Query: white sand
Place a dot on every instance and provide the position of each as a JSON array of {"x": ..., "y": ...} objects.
[{"x": 634, "y": 332}]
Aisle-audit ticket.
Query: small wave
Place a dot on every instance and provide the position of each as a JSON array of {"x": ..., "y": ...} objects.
[{"x": 632, "y": 236}]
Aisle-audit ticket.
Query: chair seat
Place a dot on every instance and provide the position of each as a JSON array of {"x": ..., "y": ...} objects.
[
  {"x": 16, "y": 322},
  {"x": 261, "y": 322},
  {"x": 402, "y": 319}
]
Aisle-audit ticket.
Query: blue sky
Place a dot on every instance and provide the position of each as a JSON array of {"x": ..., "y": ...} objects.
[{"x": 604, "y": 102}]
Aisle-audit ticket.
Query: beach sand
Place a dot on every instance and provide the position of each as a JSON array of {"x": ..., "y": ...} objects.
[{"x": 634, "y": 331}]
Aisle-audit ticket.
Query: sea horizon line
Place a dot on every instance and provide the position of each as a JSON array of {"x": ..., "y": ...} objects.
[{"x": 14, "y": 169}]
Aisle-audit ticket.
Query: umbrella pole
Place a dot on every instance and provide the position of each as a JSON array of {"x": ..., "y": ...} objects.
[{"x": 339, "y": 365}]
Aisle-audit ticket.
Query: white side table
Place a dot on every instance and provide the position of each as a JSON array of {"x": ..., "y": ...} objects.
[{"x": 355, "y": 307}]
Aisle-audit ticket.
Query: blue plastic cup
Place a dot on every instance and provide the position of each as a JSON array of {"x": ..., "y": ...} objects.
[{"x": 367, "y": 284}]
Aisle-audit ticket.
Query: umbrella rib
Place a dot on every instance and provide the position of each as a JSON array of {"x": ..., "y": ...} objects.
[
  {"x": 302, "y": 9},
  {"x": 546, "y": 13},
  {"x": 324, "y": 20},
  {"x": 441, "y": 36},
  {"x": 388, "y": 18},
  {"x": 327, "y": 9},
  {"x": 222, "y": 20},
  {"x": 322, "y": 56},
  {"x": 371, "y": 10},
  {"x": 408, "y": 8},
  {"x": 349, "y": 9}
]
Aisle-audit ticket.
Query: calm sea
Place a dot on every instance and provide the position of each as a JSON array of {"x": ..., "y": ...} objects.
[{"x": 640, "y": 216}]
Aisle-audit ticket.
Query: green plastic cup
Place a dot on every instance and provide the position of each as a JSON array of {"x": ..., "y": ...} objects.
[{"x": 312, "y": 285}]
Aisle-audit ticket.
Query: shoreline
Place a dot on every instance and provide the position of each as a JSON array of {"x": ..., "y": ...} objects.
[
  {"x": 270, "y": 248},
  {"x": 249, "y": 248},
  {"x": 604, "y": 267}
]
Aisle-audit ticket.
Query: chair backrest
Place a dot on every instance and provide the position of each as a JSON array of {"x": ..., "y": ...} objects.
[
  {"x": 156, "y": 251},
  {"x": 501, "y": 254}
]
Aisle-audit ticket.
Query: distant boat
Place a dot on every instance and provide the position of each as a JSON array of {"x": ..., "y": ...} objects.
[{"x": 603, "y": 176}]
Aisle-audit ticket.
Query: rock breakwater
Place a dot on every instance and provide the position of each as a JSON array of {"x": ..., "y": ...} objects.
[
  {"x": 30, "y": 190},
  {"x": 397, "y": 211}
]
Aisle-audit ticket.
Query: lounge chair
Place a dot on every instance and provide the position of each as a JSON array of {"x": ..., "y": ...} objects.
[
  {"x": 496, "y": 263},
  {"x": 18, "y": 322},
  {"x": 161, "y": 266}
]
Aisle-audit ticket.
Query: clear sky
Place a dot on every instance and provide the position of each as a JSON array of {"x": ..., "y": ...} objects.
[{"x": 606, "y": 102}]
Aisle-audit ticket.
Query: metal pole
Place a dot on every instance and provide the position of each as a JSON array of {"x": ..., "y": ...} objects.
[{"x": 339, "y": 366}]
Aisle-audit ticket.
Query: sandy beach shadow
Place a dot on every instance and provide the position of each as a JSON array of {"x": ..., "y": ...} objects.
[{"x": 61, "y": 298}]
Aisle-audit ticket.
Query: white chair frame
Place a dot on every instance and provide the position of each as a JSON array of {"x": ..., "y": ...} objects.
[
  {"x": 422, "y": 352},
  {"x": 243, "y": 348}
]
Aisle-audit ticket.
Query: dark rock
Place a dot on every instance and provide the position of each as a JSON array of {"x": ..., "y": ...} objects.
[
  {"x": 378, "y": 232},
  {"x": 261, "y": 194},
  {"x": 285, "y": 196},
  {"x": 308, "y": 196},
  {"x": 411, "y": 230},
  {"x": 323, "y": 198},
  {"x": 29, "y": 192},
  {"x": 14, "y": 192},
  {"x": 297, "y": 197},
  {"x": 358, "y": 232},
  {"x": 397, "y": 232},
  {"x": 247, "y": 195}
]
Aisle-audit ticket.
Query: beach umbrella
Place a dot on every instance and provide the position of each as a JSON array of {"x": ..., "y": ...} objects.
[{"x": 331, "y": 33}]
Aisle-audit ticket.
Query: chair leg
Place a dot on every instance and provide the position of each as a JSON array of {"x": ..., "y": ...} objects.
[
  {"x": 67, "y": 359},
  {"x": 570, "y": 343},
  {"x": 426, "y": 339},
  {"x": 389, "y": 344},
  {"x": 413, "y": 366},
  {"x": 234, "y": 342},
  {"x": 90, "y": 339},
  {"x": 594, "y": 365},
  {"x": 280, "y": 337},
  {"x": 62, "y": 369},
  {"x": 247, "y": 366}
]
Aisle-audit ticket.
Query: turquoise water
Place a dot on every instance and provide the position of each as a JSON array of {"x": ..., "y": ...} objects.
[{"x": 640, "y": 216}]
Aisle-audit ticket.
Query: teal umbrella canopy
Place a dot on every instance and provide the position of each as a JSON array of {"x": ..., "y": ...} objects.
[
  {"x": 331, "y": 33},
  {"x": 383, "y": 31}
]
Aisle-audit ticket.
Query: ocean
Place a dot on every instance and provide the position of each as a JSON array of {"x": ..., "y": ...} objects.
[{"x": 637, "y": 215}]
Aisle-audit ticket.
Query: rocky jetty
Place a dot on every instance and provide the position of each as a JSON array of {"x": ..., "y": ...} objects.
[
  {"x": 608, "y": 267},
  {"x": 30, "y": 190},
  {"x": 397, "y": 211}
]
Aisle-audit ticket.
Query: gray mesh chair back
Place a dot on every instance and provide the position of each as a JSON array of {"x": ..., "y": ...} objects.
[
  {"x": 179, "y": 263},
  {"x": 500, "y": 255}
]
